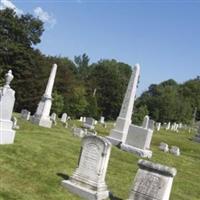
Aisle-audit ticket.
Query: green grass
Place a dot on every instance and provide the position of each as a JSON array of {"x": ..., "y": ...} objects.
[{"x": 29, "y": 168}]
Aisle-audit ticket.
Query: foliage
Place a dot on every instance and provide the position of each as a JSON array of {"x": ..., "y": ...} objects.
[{"x": 58, "y": 103}]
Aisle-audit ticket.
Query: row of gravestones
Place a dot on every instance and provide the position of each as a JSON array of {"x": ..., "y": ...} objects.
[
  {"x": 152, "y": 181},
  {"x": 94, "y": 160}
]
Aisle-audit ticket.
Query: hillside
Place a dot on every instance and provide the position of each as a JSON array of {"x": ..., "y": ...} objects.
[{"x": 33, "y": 167}]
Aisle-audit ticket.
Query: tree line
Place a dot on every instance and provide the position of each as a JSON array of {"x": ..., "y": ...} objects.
[{"x": 81, "y": 88}]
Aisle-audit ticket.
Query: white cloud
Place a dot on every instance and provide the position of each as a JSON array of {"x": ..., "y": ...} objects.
[
  {"x": 8, "y": 4},
  {"x": 44, "y": 16}
]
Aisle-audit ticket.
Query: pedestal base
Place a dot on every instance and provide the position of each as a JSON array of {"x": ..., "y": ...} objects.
[
  {"x": 85, "y": 192},
  {"x": 44, "y": 122},
  {"x": 140, "y": 152},
  {"x": 7, "y": 136}
]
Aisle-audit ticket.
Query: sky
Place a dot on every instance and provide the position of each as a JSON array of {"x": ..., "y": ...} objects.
[{"x": 163, "y": 36}]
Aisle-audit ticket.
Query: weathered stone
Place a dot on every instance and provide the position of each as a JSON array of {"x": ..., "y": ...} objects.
[
  {"x": 53, "y": 118},
  {"x": 88, "y": 181},
  {"x": 152, "y": 182},
  {"x": 102, "y": 120},
  {"x": 79, "y": 132},
  {"x": 158, "y": 126},
  {"x": 7, "y": 100},
  {"x": 119, "y": 133},
  {"x": 89, "y": 123},
  {"x": 164, "y": 147},
  {"x": 175, "y": 150},
  {"x": 64, "y": 118},
  {"x": 25, "y": 114}
]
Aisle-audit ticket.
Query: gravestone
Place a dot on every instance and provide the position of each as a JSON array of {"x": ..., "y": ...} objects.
[
  {"x": 197, "y": 136},
  {"x": 41, "y": 116},
  {"x": 119, "y": 133},
  {"x": 139, "y": 138},
  {"x": 64, "y": 118},
  {"x": 158, "y": 126},
  {"x": 14, "y": 120},
  {"x": 168, "y": 126},
  {"x": 89, "y": 123},
  {"x": 7, "y": 100},
  {"x": 25, "y": 114},
  {"x": 175, "y": 150},
  {"x": 79, "y": 132},
  {"x": 152, "y": 182},
  {"x": 81, "y": 119},
  {"x": 164, "y": 147},
  {"x": 102, "y": 120},
  {"x": 88, "y": 180},
  {"x": 53, "y": 118}
]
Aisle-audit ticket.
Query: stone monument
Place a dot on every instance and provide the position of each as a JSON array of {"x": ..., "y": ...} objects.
[
  {"x": 138, "y": 139},
  {"x": 41, "y": 117},
  {"x": 25, "y": 114},
  {"x": 7, "y": 101},
  {"x": 88, "y": 180},
  {"x": 119, "y": 133},
  {"x": 152, "y": 182}
]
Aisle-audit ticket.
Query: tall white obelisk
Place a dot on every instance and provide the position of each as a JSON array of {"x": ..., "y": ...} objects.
[
  {"x": 41, "y": 117},
  {"x": 119, "y": 133}
]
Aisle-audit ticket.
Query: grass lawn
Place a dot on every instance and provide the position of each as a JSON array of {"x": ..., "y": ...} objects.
[{"x": 33, "y": 167}]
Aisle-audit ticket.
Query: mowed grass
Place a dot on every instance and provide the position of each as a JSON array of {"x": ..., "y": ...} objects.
[{"x": 34, "y": 166}]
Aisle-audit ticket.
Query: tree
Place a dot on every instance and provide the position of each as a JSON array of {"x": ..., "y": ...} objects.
[{"x": 58, "y": 103}]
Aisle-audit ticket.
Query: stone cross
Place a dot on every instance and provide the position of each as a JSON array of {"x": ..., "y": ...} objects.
[
  {"x": 119, "y": 133},
  {"x": 7, "y": 100},
  {"x": 41, "y": 117},
  {"x": 88, "y": 180},
  {"x": 153, "y": 181}
]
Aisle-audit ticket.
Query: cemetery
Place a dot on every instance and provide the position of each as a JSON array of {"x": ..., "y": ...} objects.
[{"x": 75, "y": 129}]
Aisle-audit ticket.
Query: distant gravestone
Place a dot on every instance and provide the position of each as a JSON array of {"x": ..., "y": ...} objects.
[
  {"x": 102, "y": 120},
  {"x": 164, "y": 147},
  {"x": 89, "y": 123},
  {"x": 7, "y": 100},
  {"x": 64, "y": 118},
  {"x": 197, "y": 136},
  {"x": 158, "y": 126},
  {"x": 81, "y": 119},
  {"x": 175, "y": 150},
  {"x": 53, "y": 118},
  {"x": 25, "y": 114},
  {"x": 152, "y": 182},
  {"x": 79, "y": 132},
  {"x": 88, "y": 181},
  {"x": 145, "y": 123},
  {"x": 168, "y": 126},
  {"x": 14, "y": 120}
]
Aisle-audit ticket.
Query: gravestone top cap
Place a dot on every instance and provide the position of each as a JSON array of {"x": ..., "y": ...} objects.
[
  {"x": 158, "y": 168},
  {"x": 8, "y": 78}
]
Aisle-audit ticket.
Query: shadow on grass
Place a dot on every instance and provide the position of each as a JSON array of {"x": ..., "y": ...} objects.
[
  {"x": 64, "y": 176},
  {"x": 112, "y": 197}
]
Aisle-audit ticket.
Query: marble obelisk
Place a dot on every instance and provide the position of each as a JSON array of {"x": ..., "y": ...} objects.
[
  {"x": 119, "y": 133},
  {"x": 7, "y": 101},
  {"x": 41, "y": 117}
]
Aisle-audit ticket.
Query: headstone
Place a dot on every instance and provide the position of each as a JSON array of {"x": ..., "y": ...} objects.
[
  {"x": 89, "y": 123},
  {"x": 164, "y": 147},
  {"x": 81, "y": 119},
  {"x": 53, "y": 118},
  {"x": 25, "y": 114},
  {"x": 197, "y": 136},
  {"x": 66, "y": 125},
  {"x": 168, "y": 126},
  {"x": 7, "y": 100},
  {"x": 64, "y": 118},
  {"x": 41, "y": 117},
  {"x": 119, "y": 133},
  {"x": 102, "y": 120},
  {"x": 145, "y": 123},
  {"x": 151, "y": 124},
  {"x": 158, "y": 126},
  {"x": 14, "y": 120},
  {"x": 84, "y": 119},
  {"x": 175, "y": 150},
  {"x": 79, "y": 132},
  {"x": 88, "y": 180},
  {"x": 152, "y": 182}
]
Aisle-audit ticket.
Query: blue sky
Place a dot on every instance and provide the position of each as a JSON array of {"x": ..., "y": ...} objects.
[{"x": 162, "y": 36}]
